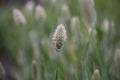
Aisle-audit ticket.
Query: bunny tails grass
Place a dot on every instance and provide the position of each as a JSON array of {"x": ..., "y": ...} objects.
[
  {"x": 18, "y": 17},
  {"x": 96, "y": 75},
  {"x": 74, "y": 24},
  {"x": 40, "y": 13},
  {"x": 65, "y": 11},
  {"x": 88, "y": 12},
  {"x": 58, "y": 40},
  {"x": 29, "y": 7},
  {"x": 59, "y": 37}
]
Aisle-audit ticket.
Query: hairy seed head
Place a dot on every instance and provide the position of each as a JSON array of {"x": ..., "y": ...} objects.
[
  {"x": 18, "y": 17},
  {"x": 59, "y": 37},
  {"x": 96, "y": 75},
  {"x": 88, "y": 12},
  {"x": 65, "y": 12},
  {"x": 29, "y": 6},
  {"x": 106, "y": 25},
  {"x": 75, "y": 24},
  {"x": 40, "y": 13}
]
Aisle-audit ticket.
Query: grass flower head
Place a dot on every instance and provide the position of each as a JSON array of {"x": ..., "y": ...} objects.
[
  {"x": 96, "y": 75},
  {"x": 18, "y": 17},
  {"x": 88, "y": 12},
  {"x": 29, "y": 6},
  {"x": 40, "y": 13},
  {"x": 59, "y": 37}
]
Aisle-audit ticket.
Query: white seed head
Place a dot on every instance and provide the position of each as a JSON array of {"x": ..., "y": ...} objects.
[
  {"x": 40, "y": 13},
  {"x": 29, "y": 7},
  {"x": 88, "y": 12},
  {"x": 18, "y": 17},
  {"x": 96, "y": 75},
  {"x": 75, "y": 24},
  {"x": 60, "y": 32},
  {"x": 59, "y": 37},
  {"x": 65, "y": 12},
  {"x": 105, "y": 25}
]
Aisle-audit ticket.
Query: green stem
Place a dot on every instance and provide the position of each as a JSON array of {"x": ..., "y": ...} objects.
[
  {"x": 57, "y": 62},
  {"x": 87, "y": 45}
]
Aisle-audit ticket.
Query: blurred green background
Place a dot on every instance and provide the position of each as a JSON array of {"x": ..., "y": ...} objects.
[{"x": 83, "y": 51}]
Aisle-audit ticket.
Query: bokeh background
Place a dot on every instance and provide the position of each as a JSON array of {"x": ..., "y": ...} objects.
[{"x": 93, "y": 40}]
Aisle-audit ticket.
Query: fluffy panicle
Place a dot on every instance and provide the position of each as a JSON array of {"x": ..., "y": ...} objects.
[
  {"x": 65, "y": 12},
  {"x": 74, "y": 21},
  {"x": 96, "y": 75},
  {"x": 74, "y": 24},
  {"x": 18, "y": 17},
  {"x": 105, "y": 25},
  {"x": 40, "y": 13},
  {"x": 29, "y": 6},
  {"x": 59, "y": 37},
  {"x": 88, "y": 12}
]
